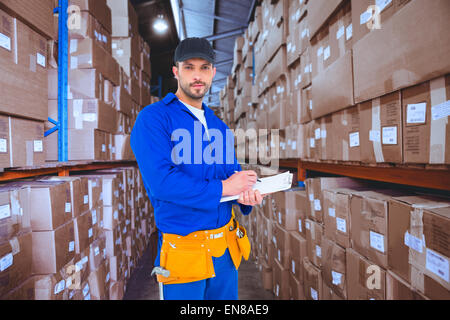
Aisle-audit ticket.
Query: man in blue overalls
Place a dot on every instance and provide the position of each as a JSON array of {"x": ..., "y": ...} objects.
[{"x": 187, "y": 159}]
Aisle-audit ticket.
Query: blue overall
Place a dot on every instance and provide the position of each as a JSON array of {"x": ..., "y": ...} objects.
[{"x": 182, "y": 173}]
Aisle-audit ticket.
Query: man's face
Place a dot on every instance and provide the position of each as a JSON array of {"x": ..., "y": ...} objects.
[{"x": 195, "y": 77}]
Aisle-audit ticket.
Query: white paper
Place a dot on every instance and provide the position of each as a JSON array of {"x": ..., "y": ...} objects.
[
  {"x": 337, "y": 277},
  {"x": 377, "y": 241},
  {"x": 68, "y": 207},
  {"x": 318, "y": 251},
  {"x": 38, "y": 146},
  {"x": 269, "y": 185},
  {"x": 416, "y": 113},
  {"x": 314, "y": 294},
  {"x": 341, "y": 225},
  {"x": 41, "y": 60},
  {"x": 332, "y": 212},
  {"x": 390, "y": 135},
  {"x": 86, "y": 199},
  {"x": 317, "y": 206},
  {"x": 71, "y": 246},
  {"x": 5, "y": 42},
  {"x": 437, "y": 264},
  {"x": 6, "y": 262},
  {"x": 440, "y": 111},
  {"x": 354, "y": 139},
  {"x": 5, "y": 211},
  {"x": 3, "y": 145}
]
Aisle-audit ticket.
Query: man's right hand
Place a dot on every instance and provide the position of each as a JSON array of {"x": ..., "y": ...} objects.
[{"x": 238, "y": 183}]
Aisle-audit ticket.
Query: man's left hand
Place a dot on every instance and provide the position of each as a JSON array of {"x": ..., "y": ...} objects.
[{"x": 251, "y": 198}]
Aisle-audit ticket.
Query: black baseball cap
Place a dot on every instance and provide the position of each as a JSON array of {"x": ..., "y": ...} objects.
[{"x": 194, "y": 48}]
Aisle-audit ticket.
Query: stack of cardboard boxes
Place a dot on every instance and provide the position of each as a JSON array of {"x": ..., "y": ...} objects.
[
  {"x": 109, "y": 81},
  {"x": 346, "y": 239},
  {"x": 82, "y": 241},
  {"x": 352, "y": 81}
]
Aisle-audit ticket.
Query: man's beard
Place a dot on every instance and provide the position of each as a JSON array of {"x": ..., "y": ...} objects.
[{"x": 188, "y": 90}]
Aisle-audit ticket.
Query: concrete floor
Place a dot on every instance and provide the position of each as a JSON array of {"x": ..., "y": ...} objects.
[{"x": 142, "y": 286}]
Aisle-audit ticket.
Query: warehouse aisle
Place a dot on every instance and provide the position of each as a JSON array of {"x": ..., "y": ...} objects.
[{"x": 142, "y": 287}]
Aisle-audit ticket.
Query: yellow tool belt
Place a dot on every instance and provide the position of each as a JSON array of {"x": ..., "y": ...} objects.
[{"x": 189, "y": 258}]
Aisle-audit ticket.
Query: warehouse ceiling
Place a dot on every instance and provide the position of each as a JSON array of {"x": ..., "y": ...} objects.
[{"x": 219, "y": 21}]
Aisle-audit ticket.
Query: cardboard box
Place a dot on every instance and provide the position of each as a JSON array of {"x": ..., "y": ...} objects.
[
  {"x": 381, "y": 129},
  {"x": 398, "y": 289},
  {"x": 123, "y": 148},
  {"x": 328, "y": 293},
  {"x": 296, "y": 291},
  {"x": 346, "y": 129},
  {"x": 369, "y": 224},
  {"x": 145, "y": 57},
  {"x": 376, "y": 53},
  {"x": 280, "y": 281},
  {"x": 332, "y": 89},
  {"x": 91, "y": 28},
  {"x": 334, "y": 267},
  {"x": 426, "y": 133},
  {"x": 145, "y": 83},
  {"x": 306, "y": 105},
  {"x": 365, "y": 280},
  {"x": 36, "y": 13},
  {"x": 123, "y": 100},
  {"x": 341, "y": 31},
  {"x": 314, "y": 235},
  {"x": 124, "y": 19},
  {"x": 15, "y": 261},
  {"x": 280, "y": 240},
  {"x": 52, "y": 250},
  {"x": 14, "y": 211},
  {"x": 84, "y": 231},
  {"x": 124, "y": 49},
  {"x": 314, "y": 190},
  {"x": 418, "y": 233},
  {"x": 319, "y": 12},
  {"x": 87, "y": 144},
  {"x": 336, "y": 206},
  {"x": 99, "y": 281},
  {"x": 323, "y": 133},
  {"x": 296, "y": 210},
  {"x": 23, "y": 60},
  {"x": 87, "y": 54},
  {"x": 297, "y": 251},
  {"x": 24, "y": 291},
  {"x": 98, "y": 9},
  {"x": 87, "y": 114},
  {"x": 312, "y": 281}
]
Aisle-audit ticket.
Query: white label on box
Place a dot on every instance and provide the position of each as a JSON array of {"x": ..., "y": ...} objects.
[
  {"x": 90, "y": 233},
  {"x": 277, "y": 290},
  {"x": 94, "y": 216},
  {"x": 323, "y": 134},
  {"x": 89, "y": 117},
  {"x": 5, "y": 211},
  {"x": 337, "y": 277},
  {"x": 437, "y": 264},
  {"x": 390, "y": 135},
  {"x": 41, "y": 60},
  {"x": 414, "y": 242},
  {"x": 340, "y": 32},
  {"x": 6, "y": 262},
  {"x": 310, "y": 104},
  {"x": 86, "y": 199},
  {"x": 341, "y": 225},
  {"x": 3, "y": 146},
  {"x": 279, "y": 255},
  {"x": 354, "y": 139},
  {"x": 5, "y": 42},
  {"x": 317, "y": 206},
  {"x": 318, "y": 251},
  {"x": 73, "y": 62},
  {"x": 311, "y": 197},
  {"x": 294, "y": 145},
  {"x": 38, "y": 146},
  {"x": 299, "y": 225},
  {"x": 279, "y": 217},
  {"x": 320, "y": 51},
  {"x": 107, "y": 277},
  {"x": 416, "y": 113},
  {"x": 317, "y": 133},
  {"x": 375, "y": 135},
  {"x": 103, "y": 148},
  {"x": 73, "y": 46},
  {"x": 96, "y": 251},
  {"x": 349, "y": 32},
  {"x": 60, "y": 286},
  {"x": 312, "y": 143},
  {"x": 326, "y": 53},
  {"x": 304, "y": 33},
  {"x": 440, "y": 111},
  {"x": 69, "y": 282},
  {"x": 308, "y": 226},
  {"x": 377, "y": 241},
  {"x": 365, "y": 17},
  {"x": 293, "y": 266},
  {"x": 332, "y": 212},
  {"x": 116, "y": 215},
  {"x": 314, "y": 294},
  {"x": 86, "y": 289},
  {"x": 71, "y": 246},
  {"x": 68, "y": 207}
]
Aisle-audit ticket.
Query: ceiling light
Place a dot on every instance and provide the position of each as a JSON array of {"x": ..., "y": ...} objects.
[{"x": 160, "y": 25}]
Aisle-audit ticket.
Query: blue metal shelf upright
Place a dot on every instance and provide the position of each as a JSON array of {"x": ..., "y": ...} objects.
[{"x": 63, "y": 44}]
